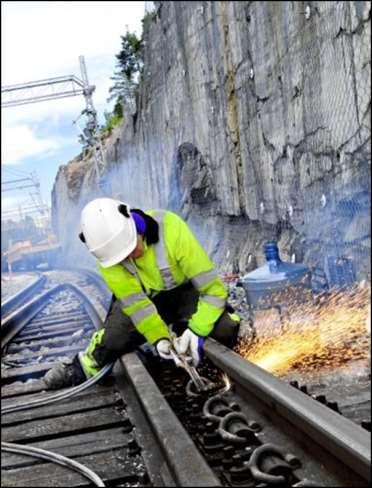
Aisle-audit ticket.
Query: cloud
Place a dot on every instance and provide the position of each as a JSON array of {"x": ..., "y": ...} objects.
[
  {"x": 44, "y": 39},
  {"x": 20, "y": 142}
]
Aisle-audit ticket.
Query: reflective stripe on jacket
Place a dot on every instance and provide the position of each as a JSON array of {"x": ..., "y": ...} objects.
[{"x": 176, "y": 258}]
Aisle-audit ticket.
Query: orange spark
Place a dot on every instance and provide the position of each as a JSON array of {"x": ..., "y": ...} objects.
[{"x": 325, "y": 332}]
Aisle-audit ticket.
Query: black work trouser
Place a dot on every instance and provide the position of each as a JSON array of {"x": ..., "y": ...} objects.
[{"x": 175, "y": 307}]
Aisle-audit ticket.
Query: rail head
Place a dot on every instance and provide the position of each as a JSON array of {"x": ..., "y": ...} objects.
[
  {"x": 14, "y": 322},
  {"x": 338, "y": 435},
  {"x": 187, "y": 469},
  {"x": 13, "y": 301}
]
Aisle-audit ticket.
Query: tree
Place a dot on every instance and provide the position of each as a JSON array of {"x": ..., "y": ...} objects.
[
  {"x": 127, "y": 75},
  {"x": 129, "y": 58}
]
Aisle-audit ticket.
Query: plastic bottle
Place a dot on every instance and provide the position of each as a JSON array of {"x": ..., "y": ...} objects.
[{"x": 274, "y": 276}]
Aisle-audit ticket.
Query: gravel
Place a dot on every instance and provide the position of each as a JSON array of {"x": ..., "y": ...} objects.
[{"x": 12, "y": 284}]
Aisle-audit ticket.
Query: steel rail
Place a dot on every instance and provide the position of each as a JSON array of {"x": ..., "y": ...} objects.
[
  {"x": 24, "y": 314},
  {"x": 338, "y": 435},
  {"x": 187, "y": 469},
  {"x": 15, "y": 300},
  {"x": 17, "y": 320},
  {"x": 169, "y": 433},
  {"x": 96, "y": 278}
]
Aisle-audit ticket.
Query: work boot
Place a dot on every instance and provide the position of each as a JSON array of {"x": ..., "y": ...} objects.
[{"x": 66, "y": 373}]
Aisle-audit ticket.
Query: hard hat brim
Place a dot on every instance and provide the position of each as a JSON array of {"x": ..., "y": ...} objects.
[
  {"x": 109, "y": 235},
  {"x": 119, "y": 257},
  {"x": 118, "y": 251}
]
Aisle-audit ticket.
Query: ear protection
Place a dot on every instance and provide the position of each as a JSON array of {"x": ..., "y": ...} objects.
[
  {"x": 140, "y": 223},
  {"x": 138, "y": 220}
]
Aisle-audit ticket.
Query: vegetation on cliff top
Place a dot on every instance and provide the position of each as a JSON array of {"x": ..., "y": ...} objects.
[{"x": 127, "y": 78}]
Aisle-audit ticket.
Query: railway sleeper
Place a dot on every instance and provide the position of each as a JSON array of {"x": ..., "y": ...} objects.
[
  {"x": 66, "y": 424},
  {"x": 17, "y": 389},
  {"x": 115, "y": 466},
  {"x": 238, "y": 442},
  {"x": 25, "y": 373},
  {"x": 38, "y": 344},
  {"x": 49, "y": 321},
  {"x": 98, "y": 441},
  {"x": 81, "y": 404},
  {"x": 55, "y": 332},
  {"x": 57, "y": 314},
  {"x": 347, "y": 410},
  {"x": 26, "y": 359}
]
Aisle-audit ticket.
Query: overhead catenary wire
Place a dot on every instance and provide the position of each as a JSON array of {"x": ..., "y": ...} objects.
[{"x": 56, "y": 458}]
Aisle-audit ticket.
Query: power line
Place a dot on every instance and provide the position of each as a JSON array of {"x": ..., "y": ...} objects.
[{"x": 61, "y": 87}]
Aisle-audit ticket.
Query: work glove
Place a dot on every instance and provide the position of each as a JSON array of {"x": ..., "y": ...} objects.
[
  {"x": 163, "y": 348},
  {"x": 66, "y": 373},
  {"x": 190, "y": 344}
]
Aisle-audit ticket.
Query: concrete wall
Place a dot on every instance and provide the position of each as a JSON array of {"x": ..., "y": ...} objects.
[{"x": 253, "y": 122}]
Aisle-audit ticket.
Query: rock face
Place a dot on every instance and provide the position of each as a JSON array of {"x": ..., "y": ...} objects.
[{"x": 253, "y": 122}]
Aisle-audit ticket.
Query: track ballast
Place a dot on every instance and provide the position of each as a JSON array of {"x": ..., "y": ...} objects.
[{"x": 142, "y": 429}]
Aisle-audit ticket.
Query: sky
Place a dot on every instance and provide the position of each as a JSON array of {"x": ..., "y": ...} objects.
[{"x": 42, "y": 40}]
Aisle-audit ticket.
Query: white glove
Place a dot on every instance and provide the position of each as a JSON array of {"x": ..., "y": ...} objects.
[
  {"x": 190, "y": 344},
  {"x": 163, "y": 348}
]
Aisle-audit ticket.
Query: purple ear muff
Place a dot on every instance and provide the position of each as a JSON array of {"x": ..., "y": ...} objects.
[{"x": 140, "y": 223}]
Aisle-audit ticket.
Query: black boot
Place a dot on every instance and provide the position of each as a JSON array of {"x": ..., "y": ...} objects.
[{"x": 66, "y": 373}]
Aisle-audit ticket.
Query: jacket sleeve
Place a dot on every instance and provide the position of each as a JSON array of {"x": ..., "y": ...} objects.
[
  {"x": 198, "y": 268},
  {"x": 135, "y": 303}
]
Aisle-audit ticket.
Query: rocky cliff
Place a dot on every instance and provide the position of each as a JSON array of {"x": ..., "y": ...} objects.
[{"x": 253, "y": 122}]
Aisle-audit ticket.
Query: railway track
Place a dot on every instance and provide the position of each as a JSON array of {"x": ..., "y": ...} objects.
[{"x": 145, "y": 425}]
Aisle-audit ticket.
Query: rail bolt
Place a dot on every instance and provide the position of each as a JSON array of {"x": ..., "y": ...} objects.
[
  {"x": 241, "y": 475},
  {"x": 271, "y": 465},
  {"x": 191, "y": 390},
  {"x": 215, "y": 408},
  {"x": 234, "y": 428}
]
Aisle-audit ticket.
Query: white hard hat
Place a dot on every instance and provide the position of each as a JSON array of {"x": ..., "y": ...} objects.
[{"x": 108, "y": 230}]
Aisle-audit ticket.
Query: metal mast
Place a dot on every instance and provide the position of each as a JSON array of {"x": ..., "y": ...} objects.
[
  {"x": 38, "y": 91},
  {"x": 37, "y": 205},
  {"x": 61, "y": 87},
  {"x": 92, "y": 132}
]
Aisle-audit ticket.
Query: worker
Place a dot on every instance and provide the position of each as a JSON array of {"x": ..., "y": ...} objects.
[{"x": 163, "y": 283}]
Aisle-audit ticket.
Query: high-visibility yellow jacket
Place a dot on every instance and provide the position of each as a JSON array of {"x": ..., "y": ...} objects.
[{"x": 175, "y": 259}]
